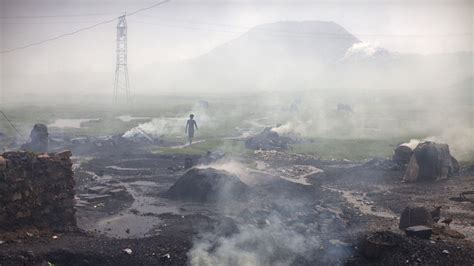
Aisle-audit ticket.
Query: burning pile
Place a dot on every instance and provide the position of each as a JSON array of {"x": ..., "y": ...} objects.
[
  {"x": 207, "y": 185},
  {"x": 430, "y": 161}
]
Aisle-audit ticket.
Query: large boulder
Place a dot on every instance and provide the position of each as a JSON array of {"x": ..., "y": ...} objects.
[
  {"x": 267, "y": 140},
  {"x": 431, "y": 161},
  {"x": 207, "y": 185},
  {"x": 38, "y": 141},
  {"x": 413, "y": 216}
]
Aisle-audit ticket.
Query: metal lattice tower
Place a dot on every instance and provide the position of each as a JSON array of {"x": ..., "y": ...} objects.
[{"x": 121, "y": 70}]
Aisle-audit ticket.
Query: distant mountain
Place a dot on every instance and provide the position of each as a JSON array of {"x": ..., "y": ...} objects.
[
  {"x": 270, "y": 55},
  {"x": 292, "y": 55},
  {"x": 307, "y": 41}
]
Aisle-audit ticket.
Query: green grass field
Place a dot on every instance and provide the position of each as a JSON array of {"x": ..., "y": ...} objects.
[{"x": 229, "y": 117}]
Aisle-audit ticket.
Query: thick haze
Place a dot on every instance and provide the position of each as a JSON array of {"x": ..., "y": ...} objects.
[{"x": 182, "y": 30}]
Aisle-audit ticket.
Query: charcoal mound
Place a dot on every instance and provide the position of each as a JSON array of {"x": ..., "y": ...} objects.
[
  {"x": 207, "y": 185},
  {"x": 268, "y": 140}
]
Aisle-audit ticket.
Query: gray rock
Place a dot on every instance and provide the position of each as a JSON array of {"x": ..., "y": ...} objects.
[
  {"x": 420, "y": 231},
  {"x": 413, "y": 216},
  {"x": 38, "y": 141}
]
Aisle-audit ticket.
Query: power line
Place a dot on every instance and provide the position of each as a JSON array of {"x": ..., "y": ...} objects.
[
  {"x": 293, "y": 33},
  {"x": 11, "y": 124},
  {"x": 150, "y": 7},
  {"x": 79, "y": 30},
  {"x": 185, "y": 27},
  {"x": 59, "y": 16},
  {"x": 323, "y": 33},
  {"x": 56, "y": 37},
  {"x": 42, "y": 22}
]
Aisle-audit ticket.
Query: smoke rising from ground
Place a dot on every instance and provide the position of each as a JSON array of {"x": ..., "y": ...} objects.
[
  {"x": 173, "y": 126},
  {"x": 275, "y": 230},
  {"x": 273, "y": 244}
]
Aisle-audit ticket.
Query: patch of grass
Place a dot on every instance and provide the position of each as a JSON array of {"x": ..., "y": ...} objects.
[
  {"x": 231, "y": 147},
  {"x": 351, "y": 149}
]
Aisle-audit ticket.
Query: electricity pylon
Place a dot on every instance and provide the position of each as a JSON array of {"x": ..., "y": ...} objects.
[{"x": 121, "y": 70}]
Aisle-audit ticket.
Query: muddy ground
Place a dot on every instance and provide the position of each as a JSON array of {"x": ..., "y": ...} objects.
[{"x": 300, "y": 211}]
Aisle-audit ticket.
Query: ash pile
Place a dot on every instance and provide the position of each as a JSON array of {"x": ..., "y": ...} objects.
[
  {"x": 268, "y": 139},
  {"x": 207, "y": 185},
  {"x": 37, "y": 190}
]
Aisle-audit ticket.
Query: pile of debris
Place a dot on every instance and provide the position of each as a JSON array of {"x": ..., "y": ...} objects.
[
  {"x": 36, "y": 190},
  {"x": 207, "y": 185},
  {"x": 38, "y": 141},
  {"x": 284, "y": 157},
  {"x": 268, "y": 140},
  {"x": 390, "y": 248},
  {"x": 430, "y": 161}
]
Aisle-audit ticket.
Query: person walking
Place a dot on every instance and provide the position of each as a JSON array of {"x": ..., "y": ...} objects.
[{"x": 190, "y": 128}]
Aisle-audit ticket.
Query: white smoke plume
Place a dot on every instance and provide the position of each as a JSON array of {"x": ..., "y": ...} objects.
[
  {"x": 273, "y": 244},
  {"x": 364, "y": 50},
  {"x": 172, "y": 126}
]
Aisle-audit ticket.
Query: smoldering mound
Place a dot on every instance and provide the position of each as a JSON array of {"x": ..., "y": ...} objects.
[{"x": 207, "y": 185}]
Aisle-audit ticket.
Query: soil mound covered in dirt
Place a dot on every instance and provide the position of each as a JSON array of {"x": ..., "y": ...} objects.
[
  {"x": 268, "y": 140},
  {"x": 207, "y": 185}
]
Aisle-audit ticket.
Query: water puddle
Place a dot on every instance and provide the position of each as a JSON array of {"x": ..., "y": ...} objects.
[
  {"x": 126, "y": 168},
  {"x": 127, "y": 225},
  {"x": 141, "y": 218}
]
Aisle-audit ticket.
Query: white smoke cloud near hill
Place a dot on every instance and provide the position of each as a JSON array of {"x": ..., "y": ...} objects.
[{"x": 365, "y": 50}]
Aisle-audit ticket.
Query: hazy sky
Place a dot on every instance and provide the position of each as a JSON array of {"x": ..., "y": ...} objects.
[{"x": 183, "y": 29}]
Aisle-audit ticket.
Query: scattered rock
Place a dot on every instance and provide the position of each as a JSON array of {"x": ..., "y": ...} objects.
[
  {"x": 413, "y": 216},
  {"x": 377, "y": 244},
  {"x": 420, "y": 231},
  {"x": 381, "y": 163},
  {"x": 64, "y": 154},
  {"x": 128, "y": 251},
  {"x": 165, "y": 257}
]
